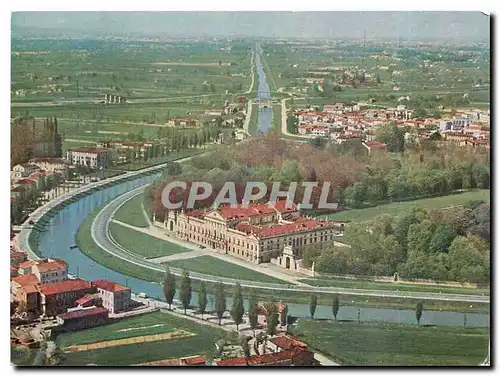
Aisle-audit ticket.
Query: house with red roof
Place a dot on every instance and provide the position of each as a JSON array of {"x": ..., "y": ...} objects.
[
  {"x": 82, "y": 318},
  {"x": 24, "y": 170},
  {"x": 17, "y": 257},
  {"x": 294, "y": 357},
  {"x": 256, "y": 233},
  {"x": 57, "y": 297},
  {"x": 115, "y": 297},
  {"x": 50, "y": 270},
  {"x": 372, "y": 146}
]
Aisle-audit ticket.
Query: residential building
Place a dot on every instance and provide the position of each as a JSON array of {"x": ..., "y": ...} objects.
[
  {"x": 57, "y": 297},
  {"x": 372, "y": 146},
  {"x": 51, "y": 270},
  {"x": 82, "y": 318},
  {"x": 257, "y": 233},
  {"x": 26, "y": 267},
  {"x": 52, "y": 164},
  {"x": 17, "y": 257},
  {"x": 27, "y": 298},
  {"x": 96, "y": 158},
  {"x": 115, "y": 297},
  {"x": 24, "y": 170},
  {"x": 295, "y": 357},
  {"x": 23, "y": 280}
]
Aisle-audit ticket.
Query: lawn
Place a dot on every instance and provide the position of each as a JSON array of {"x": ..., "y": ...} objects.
[
  {"x": 90, "y": 249},
  {"x": 132, "y": 212},
  {"x": 389, "y": 344},
  {"x": 346, "y": 283},
  {"x": 219, "y": 268},
  {"x": 276, "y": 124},
  {"x": 124, "y": 328},
  {"x": 395, "y": 208},
  {"x": 201, "y": 344},
  {"x": 143, "y": 244}
]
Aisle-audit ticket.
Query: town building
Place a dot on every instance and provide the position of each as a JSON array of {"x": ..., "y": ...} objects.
[
  {"x": 257, "y": 233},
  {"x": 24, "y": 170},
  {"x": 294, "y": 357},
  {"x": 95, "y": 158},
  {"x": 372, "y": 146},
  {"x": 57, "y": 297},
  {"x": 82, "y": 318},
  {"x": 17, "y": 257},
  {"x": 50, "y": 270},
  {"x": 58, "y": 165},
  {"x": 115, "y": 297}
]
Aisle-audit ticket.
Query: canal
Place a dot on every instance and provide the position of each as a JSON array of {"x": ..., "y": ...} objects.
[
  {"x": 263, "y": 93},
  {"x": 60, "y": 232}
]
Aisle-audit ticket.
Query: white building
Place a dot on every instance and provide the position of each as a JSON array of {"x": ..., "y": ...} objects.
[
  {"x": 24, "y": 170},
  {"x": 95, "y": 158}
]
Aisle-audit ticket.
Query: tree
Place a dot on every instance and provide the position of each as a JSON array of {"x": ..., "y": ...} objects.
[
  {"x": 442, "y": 238},
  {"x": 418, "y": 311},
  {"x": 335, "y": 305},
  {"x": 312, "y": 305},
  {"x": 169, "y": 287},
  {"x": 237, "y": 310},
  {"x": 393, "y": 136},
  {"x": 185, "y": 290},
  {"x": 273, "y": 319},
  {"x": 220, "y": 301},
  {"x": 253, "y": 316},
  {"x": 202, "y": 298}
]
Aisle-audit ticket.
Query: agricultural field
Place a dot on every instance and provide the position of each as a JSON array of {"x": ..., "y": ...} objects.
[
  {"x": 427, "y": 75},
  {"x": 48, "y": 70},
  {"x": 377, "y": 344},
  {"x": 143, "y": 244},
  {"x": 187, "y": 339},
  {"x": 219, "y": 268},
  {"x": 254, "y": 120},
  {"x": 395, "y": 208},
  {"x": 132, "y": 212}
]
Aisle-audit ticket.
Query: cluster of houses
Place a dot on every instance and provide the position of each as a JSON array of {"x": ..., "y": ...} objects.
[
  {"x": 343, "y": 123},
  {"x": 44, "y": 288}
]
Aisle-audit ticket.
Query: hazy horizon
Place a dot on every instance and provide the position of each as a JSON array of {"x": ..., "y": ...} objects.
[{"x": 384, "y": 25}]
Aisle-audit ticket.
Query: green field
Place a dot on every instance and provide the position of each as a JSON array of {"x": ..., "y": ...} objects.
[
  {"x": 347, "y": 283},
  {"x": 389, "y": 344},
  {"x": 143, "y": 244},
  {"x": 90, "y": 249},
  {"x": 276, "y": 123},
  {"x": 395, "y": 208},
  {"x": 132, "y": 212},
  {"x": 201, "y": 344},
  {"x": 219, "y": 268},
  {"x": 152, "y": 323}
]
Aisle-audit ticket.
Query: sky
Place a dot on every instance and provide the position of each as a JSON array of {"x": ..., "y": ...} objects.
[{"x": 384, "y": 25}]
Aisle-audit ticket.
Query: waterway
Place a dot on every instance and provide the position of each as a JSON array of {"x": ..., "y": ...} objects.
[
  {"x": 62, "y": 228},
  {"x": 61, "y": 232},
  {"x": 263, "y": 92}
]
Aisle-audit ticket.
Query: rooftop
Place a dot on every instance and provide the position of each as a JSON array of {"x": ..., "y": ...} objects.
[
  {"x": 375, "y": 145},
  {"x": 64, "y": 286},
  {"x": 50, "y": 265},
  {"x": 287, "y": 342},
  {"x": 27, "y": 279},
  {"x": 104, "y": 284},
  {"x": 85, "y": 312}
]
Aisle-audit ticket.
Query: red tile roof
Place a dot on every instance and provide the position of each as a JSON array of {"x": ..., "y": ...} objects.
[
  {"x": 16, "y": 254},
  {"x": 77, "y": 314},
  {"x": 281, "y": 207},
  {"x": 287, "y": 342},
  {"x": 232, "y": 362},
  {"x": 240, "y": 212},
  {"x": 84, "y": 299},
  {"x": 289, "y": 228},
  {"x": 50, "y": 265},
  {"x": 28, "y": 279},
  {"x": 109, "y": 285},
  {"x": 375, "y": 145},
  {"x": 194, "y": 361},
  {"x": 64, "y": 286},
  {"x": 26, "y": 181}
]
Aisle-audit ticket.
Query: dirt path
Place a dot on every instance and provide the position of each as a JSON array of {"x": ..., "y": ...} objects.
[{"x": 178, "y": 333}]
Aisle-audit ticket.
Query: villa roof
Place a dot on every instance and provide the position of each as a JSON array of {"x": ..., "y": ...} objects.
[
  {"x": 27, "y": 279},
  {"x": 104, "y": 284},
  {"x": 64, "y": 286}
]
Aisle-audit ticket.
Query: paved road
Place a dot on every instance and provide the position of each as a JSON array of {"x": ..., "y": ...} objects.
[{"x": 100, "y": 234}]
